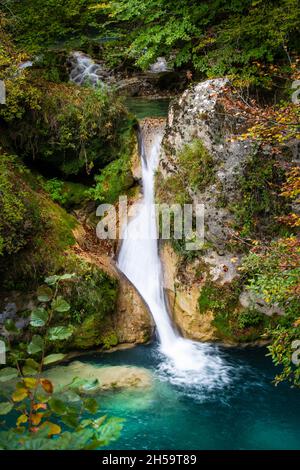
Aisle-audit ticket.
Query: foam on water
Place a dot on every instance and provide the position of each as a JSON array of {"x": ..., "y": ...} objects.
[{"x": 183, "y": 361}]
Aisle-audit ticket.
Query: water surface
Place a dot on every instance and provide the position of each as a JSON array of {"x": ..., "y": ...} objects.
[{"x": 247, "y": 413}]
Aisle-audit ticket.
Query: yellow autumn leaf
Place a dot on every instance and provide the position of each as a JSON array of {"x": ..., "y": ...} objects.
[
  {"x": 20, "y": 394},
  {"x": 40, "y": 406},
  {"x": 36, "y": 419},
  {"x": 30, "y": 382},
  {"x": 53, "y": 428},
  {"x": 22, "y": 419}
]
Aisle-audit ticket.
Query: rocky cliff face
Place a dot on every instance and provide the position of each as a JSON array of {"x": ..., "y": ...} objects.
[
  {"x": 200, "y": 115},
  {"x": 202, "y": 163}
]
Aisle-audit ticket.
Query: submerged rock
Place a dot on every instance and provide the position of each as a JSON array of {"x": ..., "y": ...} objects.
[{"x": 109, "y": 377}]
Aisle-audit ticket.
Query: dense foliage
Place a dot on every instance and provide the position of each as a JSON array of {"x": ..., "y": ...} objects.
[
  {"x": 37, "y": 404},
  {"x": 242, "y": 39},
  {"x": 215, "y": 38},
  {"x": 81, "y": 139},
  {"x": 71, "y": 131},
  {"x": 19, "y": 208}
]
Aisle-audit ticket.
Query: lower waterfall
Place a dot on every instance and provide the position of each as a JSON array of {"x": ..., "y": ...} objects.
[{"x": 182, "y": 359}]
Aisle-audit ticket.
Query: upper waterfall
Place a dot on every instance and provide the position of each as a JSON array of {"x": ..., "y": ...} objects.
[{"x": 139, "y": 261}]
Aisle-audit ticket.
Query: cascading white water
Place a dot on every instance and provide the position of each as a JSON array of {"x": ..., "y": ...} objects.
[
  {"x": 184, "y": 360},
  {"x": 86, "y": 70}
]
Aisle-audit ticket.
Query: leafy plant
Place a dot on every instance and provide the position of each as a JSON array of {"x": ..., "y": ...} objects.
[{"x": 43, "y": 412}]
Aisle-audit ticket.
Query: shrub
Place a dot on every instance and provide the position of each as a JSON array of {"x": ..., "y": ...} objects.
[
  {"x": 67, "y": 194},
  {"x": 260, "y": 202},
  {"x": 196, "y": 165},
  {"x": 74, "y": 130},
  {"x": 249, "y": 318}
]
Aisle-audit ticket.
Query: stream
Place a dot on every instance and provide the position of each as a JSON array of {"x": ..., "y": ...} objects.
[
  {"x": 249, "y": 412},
  {"x": 185, "y": 361},
  {"x": 203, "y": 396}
]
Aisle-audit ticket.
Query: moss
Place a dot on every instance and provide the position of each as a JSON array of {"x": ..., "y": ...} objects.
[
  {"x": 196, "y": 165},
  {"x": 116, "y": 178},
  {"x": 109, "y": 340},
  {"x": 19, "y": 207},
  {"x": 171, "y": 190},
  {"x": 95, "y": 292},
  {"x": 39, "y": 238},
  {"x": 195, "y": 171},
  {"x": 71, "y": 130},
  {"x": 88, "y": 334},
  {"x": 92, "y": 297},
  {"x": 66, "y": 193},
  {"x": 260, "y": 203},
  {"x": 231, "y": 322}
]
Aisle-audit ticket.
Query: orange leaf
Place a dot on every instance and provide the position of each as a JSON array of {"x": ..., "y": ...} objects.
[
  {"x": 47, "y": 385},
  {"x": 53, "y": 428},
  {"x": 40, "y": 406},
  {"x": 36, "y": 419}
]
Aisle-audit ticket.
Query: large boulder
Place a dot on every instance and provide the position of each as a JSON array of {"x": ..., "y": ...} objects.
[
  {"x": 200, "y": 137},
  {"x": 199, "y": 114}
]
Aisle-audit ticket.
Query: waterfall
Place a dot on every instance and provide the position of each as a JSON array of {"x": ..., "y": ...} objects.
[
  {"x": 139, "y": 261},
  {"x": 85, "y": 70}
]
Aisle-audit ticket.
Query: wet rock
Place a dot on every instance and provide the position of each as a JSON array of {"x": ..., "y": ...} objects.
[
  {"x": 109, "y": 377},
  {"x": 183, "y": 298}
]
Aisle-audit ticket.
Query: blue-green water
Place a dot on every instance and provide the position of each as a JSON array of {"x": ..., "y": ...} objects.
[
  {"x": 143, "y": 107},
  {"x": 247, "y": 413}
]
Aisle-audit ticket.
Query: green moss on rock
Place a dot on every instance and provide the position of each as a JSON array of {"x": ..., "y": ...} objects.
[
  {"x": 260, "y": 202},
  {"x": 37, "y": 232},
  {"x": 195, "y": 170},
  {"x": 232, "y": 323}
]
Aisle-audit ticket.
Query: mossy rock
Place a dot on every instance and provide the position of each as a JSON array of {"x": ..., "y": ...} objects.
[
  {"x": 88, "y": 334},
  {"x": 37, "y": 232},
  {"x": 232, "y": 323},
  {"x": 71, "y": 130}
]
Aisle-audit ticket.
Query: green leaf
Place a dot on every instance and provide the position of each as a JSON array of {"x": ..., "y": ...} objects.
[
  {"x": 67, "y": 276},
  {"x": 110, "y": 430},
  {"x": 44, "y": 293},
  {"x": 36, "y": 345},
  {"x": 60, "y": 305},
  {"x": 51, "y": 280},
  {"x": 84, "y": 384},
  {"x": 57, "y": 406},
  {"x": 53, "y": 358},
  {"x": 31, "y": 367},
  {"x": 38, "y": 317},
  {"x": 70, "y": 420},
  {"x": 6, "y": 407},
  {"x": 91, "y": 405},
  {"x": 10, "y": 326},
  {"x": 60, "y": 332},
  {"x": 9, "y": 373}
]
